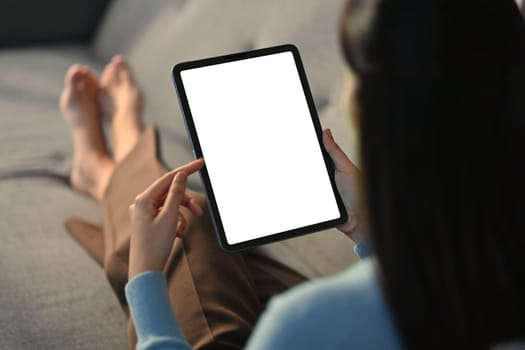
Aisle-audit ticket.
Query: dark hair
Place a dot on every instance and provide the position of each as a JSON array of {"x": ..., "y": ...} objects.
[{"x": 441, "y": 99}]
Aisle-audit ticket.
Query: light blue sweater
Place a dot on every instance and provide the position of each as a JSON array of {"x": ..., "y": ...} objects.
[{"x": 343, "y": 311}]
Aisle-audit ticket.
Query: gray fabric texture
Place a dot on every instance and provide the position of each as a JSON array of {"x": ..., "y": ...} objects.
[{"x": 54, "y": 296}]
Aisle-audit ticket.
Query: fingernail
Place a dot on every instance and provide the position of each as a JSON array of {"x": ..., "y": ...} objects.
[
  {"x": 329, "y": 133},
  {"x": 180, "y": 178}
]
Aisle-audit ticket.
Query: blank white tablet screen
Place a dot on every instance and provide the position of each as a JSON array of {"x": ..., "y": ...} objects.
[{"x": 259, "y": 145}]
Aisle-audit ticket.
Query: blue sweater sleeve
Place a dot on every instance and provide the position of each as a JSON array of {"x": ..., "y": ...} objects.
[
  {"x": 157, "y": 328},
  {"x": 150, "y": 306},
  {"x": 362, "y": 249}
]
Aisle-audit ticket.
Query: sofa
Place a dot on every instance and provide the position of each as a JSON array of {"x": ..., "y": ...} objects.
[{"x": 53, "y": 294}]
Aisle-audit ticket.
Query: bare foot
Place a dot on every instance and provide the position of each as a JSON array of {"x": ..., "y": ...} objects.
[
  {"x": 122, "y": 101},
  {"x": 92, "y": 165}
]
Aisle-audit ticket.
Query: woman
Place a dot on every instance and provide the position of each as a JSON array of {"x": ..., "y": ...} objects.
[{"x": 438, "y": 96}]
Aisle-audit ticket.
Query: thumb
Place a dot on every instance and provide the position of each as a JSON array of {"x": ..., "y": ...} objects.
[
  {"x": 340, "y": 159},
  {"x": 170, "y": 210}
]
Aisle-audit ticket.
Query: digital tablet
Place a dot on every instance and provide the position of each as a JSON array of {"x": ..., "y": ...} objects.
[{"x": 252, "y": 118}]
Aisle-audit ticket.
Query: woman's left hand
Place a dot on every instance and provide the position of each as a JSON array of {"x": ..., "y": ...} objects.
[
  {"x": 346, "y": 178},
  {"x": 156, "y": 220}
]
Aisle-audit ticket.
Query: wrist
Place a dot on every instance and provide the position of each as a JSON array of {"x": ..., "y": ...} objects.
[
  {"x": 136, "y": 269},
  {"x": 355, "y": 228},
  {"x": 140, "y": 262},
  {"x": 358, "y": 234}
]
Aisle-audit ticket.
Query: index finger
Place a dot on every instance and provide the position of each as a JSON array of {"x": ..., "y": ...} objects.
[{"x": 157, "y": 191}]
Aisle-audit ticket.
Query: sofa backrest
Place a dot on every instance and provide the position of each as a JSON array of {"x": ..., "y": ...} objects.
[{"x": 155, "y": 35}]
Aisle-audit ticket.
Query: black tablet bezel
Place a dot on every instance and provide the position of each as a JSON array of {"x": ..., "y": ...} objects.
[{"x": 190, "y": 128}]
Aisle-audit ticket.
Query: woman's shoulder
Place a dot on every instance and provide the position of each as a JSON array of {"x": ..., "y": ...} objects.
[
  {"x": 354, "y": 287},
  {"x": 339, "y": 311}
]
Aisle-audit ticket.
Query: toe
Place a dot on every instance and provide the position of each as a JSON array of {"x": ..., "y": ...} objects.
[
  {"x": 72, "y": 79},
  {"x": 84, "y": 82},
  {"x": 105, "y": 77},
  {"x": 108, "y": 76},
  {"x": 117, "y": 58},
  {"x": 123, "y": 70},
  {"x": 72, "y": 73},
  {"x": 91, "y": 79},
  {"x": 116, "y": 71},
  {"x": 80, "y": 83}
]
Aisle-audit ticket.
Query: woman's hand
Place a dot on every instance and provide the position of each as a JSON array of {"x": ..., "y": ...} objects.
[
  {"x": 346, "y": 178},
  {"x": 156, "y": 220}
]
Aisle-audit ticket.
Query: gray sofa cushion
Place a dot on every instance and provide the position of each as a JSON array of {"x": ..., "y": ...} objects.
[{"x": 53, "y": 296}]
